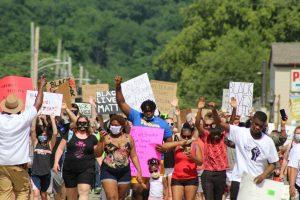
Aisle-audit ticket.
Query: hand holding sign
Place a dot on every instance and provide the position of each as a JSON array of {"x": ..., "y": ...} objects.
[{"x": 233, "y": 102}]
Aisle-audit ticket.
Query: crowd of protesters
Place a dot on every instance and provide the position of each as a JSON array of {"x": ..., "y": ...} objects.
[{"x": 203, "y": 157}]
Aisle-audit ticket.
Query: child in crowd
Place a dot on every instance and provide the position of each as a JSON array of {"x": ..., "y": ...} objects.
[{"x": 158, "y": 183}]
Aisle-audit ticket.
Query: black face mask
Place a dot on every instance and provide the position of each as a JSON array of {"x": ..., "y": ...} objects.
[
  {"x": 82, "y": 126},
  {"x": 75, "y": 112}
]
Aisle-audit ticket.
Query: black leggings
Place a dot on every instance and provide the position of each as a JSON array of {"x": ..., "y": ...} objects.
[{"x": 214, "y": 184}]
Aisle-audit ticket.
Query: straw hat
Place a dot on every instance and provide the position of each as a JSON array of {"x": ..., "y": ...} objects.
[{"x": 11, "y": 104}]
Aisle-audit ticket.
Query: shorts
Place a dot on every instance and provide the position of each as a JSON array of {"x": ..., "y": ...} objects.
[
  {"x": 186, "y": 182},
  {"x": 168, "y": 171},
  {"x": 72, "y": 179},
  {"x": 41, "y": 183},
  {"x": 121, "y": 176},
  {"x": 200, "y": 189}
]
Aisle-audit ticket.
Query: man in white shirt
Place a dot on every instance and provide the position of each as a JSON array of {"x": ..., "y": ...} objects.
[
  {"x": 255, "y": 152},
  {"x": 14, "y": 144}
]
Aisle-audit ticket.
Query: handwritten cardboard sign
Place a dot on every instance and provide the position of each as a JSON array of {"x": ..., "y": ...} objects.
[
  {"x": 164, "y": 92},
  {"x": 137, "y": 90},
  {"x": 85, "y": 109},
  {"x": 91, "y": 90},
  {"x": 53, "y": 85},
  {"x": 51, "y": 105},
  {"x": 64, "y": 89},
  {"x": 15, "y": 85},
  {"x": 145, "y": 140},
  {"x": 225, "y": 101},
  {"x": 267, "y": 190},
  {"x": 106, "y": 102},
  {"x": 243, "y": 92}
]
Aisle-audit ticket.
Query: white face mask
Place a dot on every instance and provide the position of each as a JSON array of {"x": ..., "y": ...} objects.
[
  {"x": 115, "y": 129},
  {"x": 297, "y": 138},
  {"x": 155, "y": 175}
]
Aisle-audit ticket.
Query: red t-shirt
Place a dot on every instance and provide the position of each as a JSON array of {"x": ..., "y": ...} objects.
[
  {"x": 215, "y": 154},
  {"x": 184, "y": 168}
]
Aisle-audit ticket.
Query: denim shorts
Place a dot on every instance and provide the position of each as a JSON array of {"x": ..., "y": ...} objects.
[
  {"x": 42, "y": 183},
  {"x": 121, "y": 176}
]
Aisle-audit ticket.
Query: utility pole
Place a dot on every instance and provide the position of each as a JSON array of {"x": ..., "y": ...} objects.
[
  {"x": 58, "y": 58},
  {"x": 70, "y": 66},
  {"x": 80, "y": 75},
  {"x": 264, "y": 84},
  {"x": 86, "y": 76},
  {"x": 36, "y": 56},
  {"x": 31, "y": 48}
]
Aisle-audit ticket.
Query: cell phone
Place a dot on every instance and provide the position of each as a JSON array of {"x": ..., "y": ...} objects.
[{"x": 283, "y": 114}]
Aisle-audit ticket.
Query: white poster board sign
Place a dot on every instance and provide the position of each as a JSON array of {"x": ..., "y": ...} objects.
[
  {"x": 267, "y": 190},
  {"x": 51, "y": 105},
  {"x": 243, "y": 92},
  {"x": 85, "y": 109},
  {"x": 137, "y": 90},
  {"x": 226, "y": 101}
]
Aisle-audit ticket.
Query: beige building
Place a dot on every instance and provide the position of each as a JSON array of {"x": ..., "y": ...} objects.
[{"x": 283, "y": 58}]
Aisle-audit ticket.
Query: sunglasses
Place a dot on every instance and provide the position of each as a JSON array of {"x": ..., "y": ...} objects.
[
  {"x": 171, "y": 124},
  {"x": 186, "y": 137},
  {"x": 152, "y": 171}
]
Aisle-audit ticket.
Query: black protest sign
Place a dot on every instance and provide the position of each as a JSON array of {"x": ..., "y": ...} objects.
[{"x": 106, "y": 102}]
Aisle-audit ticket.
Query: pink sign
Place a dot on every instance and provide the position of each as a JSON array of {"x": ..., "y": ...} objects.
[
  {"x": 15, "y": 84},
  {"x": 145, "y": 140}
]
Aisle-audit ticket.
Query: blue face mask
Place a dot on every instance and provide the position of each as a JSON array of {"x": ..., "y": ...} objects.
[{"x": 42, "y": 138}]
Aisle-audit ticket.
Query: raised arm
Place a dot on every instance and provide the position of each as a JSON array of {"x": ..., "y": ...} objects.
[
  {"x": 40, "y": 96},
  {"x": 33, "y": 132},
  {"x": 198, "y": 124},
  {"x": 120, "y": 98},
  {"x": 216, "y": 116},
  {"x": 55, "y": 132},
  {"x": 233, "y": 104},
  {"x": 283, "y": 130},
  {"x": 71, "y": 115},
  {"x": 94, "y": 112}
]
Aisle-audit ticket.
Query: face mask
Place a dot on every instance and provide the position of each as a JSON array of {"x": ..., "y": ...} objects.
[
  {"x": 82, "y": 126},
  {"x": 297, "y": 138},
  {"x": 42, "y": 138},
  {"x": 155, "y": 175},
  {"x": 115, "y": 129},
  {"x": 75, "y": 112}
]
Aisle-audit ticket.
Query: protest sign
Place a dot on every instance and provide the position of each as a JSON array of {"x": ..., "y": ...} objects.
[
  {"x": 52, "y": 86},
  {"x": 295, "y": 80},
  {"x": 137, "y": 90},
  {"x": 145, "y": 140},
  {"x": 295, "y": 107},
  {"x": 85, "y": 109},
  {"x": 243, "y": 92},
  {"x": 225, "y": 101},
  {"x": 91, "y": 90},
  {"x": 164, "y": 92},
  {"x": 64, "y": 89},
  {"x": 51, "y": 105},
  {"x": 106, "y": 102},
  {"x": 267, "y": 190},
  {"x": 183, "y": 114},
  {"x": 15, "y": 85}
]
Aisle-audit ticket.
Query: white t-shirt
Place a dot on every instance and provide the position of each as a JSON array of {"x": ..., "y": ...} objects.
[
  {"x": 294, "y": 160},
  {"x": 252, "y": 156},
  {"x": 14, "y": 137},
  {"x": 156, "y": 187}
]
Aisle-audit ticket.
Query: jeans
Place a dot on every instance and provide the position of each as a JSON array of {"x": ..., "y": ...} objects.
[
  {"x": 234, "y": 190},
  {"x": 214, "y": 184}
]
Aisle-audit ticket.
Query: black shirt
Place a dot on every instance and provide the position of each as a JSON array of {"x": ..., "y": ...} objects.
[{"x": 80, "y": 153}]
